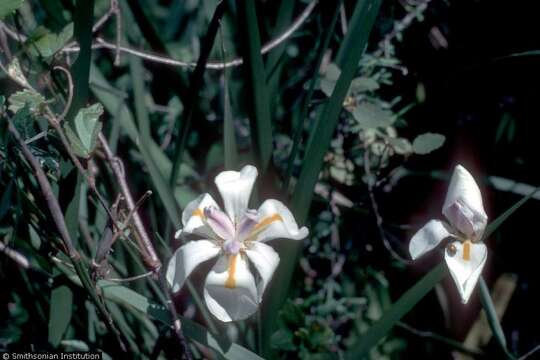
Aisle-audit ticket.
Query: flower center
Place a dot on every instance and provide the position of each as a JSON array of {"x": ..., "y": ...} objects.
[{"x": 232, "y": 246}]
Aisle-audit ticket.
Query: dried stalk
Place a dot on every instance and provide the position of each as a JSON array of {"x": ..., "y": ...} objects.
[
  {"x": 59, "y": 221},
  {"x": 149, "y": 255}
]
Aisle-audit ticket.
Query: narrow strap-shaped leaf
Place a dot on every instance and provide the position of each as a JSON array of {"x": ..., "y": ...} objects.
[
  {"x": 159, "y": 181},
  {"x": 297, "y": 136},
  {"x": 261, "y": 129},
  {"x": 494, "y": 225},
  {"x": 354, "y": 44},
  {"x": 491, "y": 314},
  {"x": 222, "y": 346},
  {"x": 229, "y": 137},
  {"x": 401, "y": 307},
  {"x": 83, "y": 19},
  {"x": 196, "y": 82}
]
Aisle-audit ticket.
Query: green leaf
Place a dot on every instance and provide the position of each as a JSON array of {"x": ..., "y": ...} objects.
[
  {"x": 363, "y": 84},
  {"x": 331, "y": 75},
  {"x": 87, "y": 127},
  {"x": 491, "y": 314},
  {"x": 494, "y": 225},
  {"x": 9, "y": 6},
  {"x": 26, "y": 96},
  {"x": 83, "y": 21},
  {"x": 401, "y": 307},
  {"x": 304, "y": 112},
  {"x": 428, "y": 142},
  {"x": 229, "y": 133},
  {"x": 129, "y": 298},
  {"x": 401, "y": 146},
  {"x": 354, "y": 44},
  {"x": 45, "y": 43},
  {"x": 261, "y": 129},
  {"x": 371, "y": 116},
  {"x": 144, "y": 140},
  {"x": 60, "y": 313}
]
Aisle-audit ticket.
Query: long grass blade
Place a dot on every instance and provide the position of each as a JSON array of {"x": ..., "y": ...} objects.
[
  {"x": 405, "y": 303},
  {"x": 493, "y": 319},
  {"x": 321, "y": 135},
  {"x": 261, "y": 129},
  {"x": 196, "y": 83},
  {"x": 297, "y": 136},
  {"x": 83, "y": 19}
]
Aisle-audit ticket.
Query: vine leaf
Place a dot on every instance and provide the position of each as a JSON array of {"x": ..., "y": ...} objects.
[{"x": 87, "y": 127}]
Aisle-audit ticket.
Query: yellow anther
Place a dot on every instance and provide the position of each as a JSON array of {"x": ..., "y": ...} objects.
[{"x": 467, "y": 250}]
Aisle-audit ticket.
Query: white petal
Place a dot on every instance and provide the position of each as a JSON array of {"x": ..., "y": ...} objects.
[
  {"x": 266, "y": 261},
  {"x": 235, "y": 189},
  {"x": 186, "y": 258},
  {"x": 427, "y": 238},
  {"x": 466, "y": 272},
  {"x": 463, "y": 205},
  {"x": 192, "y": 217},
  {"x": 275, "y": 221},
  {"x": 229, "y": 291}
]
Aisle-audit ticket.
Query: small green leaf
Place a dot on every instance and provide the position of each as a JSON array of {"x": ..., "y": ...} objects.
[
  {"x": 26, "y": 96},
  {"x": 60, "y": 313},
  {"x": 428, "y": 142},
  {"x": 370, "y": 116},
  {"x": 401, "y": 146},
  {"x": 328, "y": 82},
  {"x": 363, "y": 84},
  {"x": 87, "y": 127},
  {"x": 45, "y": 43},
  {"x": 9, "y": 6}
]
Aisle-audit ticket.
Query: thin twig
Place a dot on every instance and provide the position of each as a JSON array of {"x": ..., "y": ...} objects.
[
  {"x": 149, "y": 255},
  {"x": 59, "y": 221},
  {"x": 531, "y": 352},
  {"x": 14, "y": 255},
  {"x": 70, "y": 91},
  {"x": 177, "y": 324},
  {"x": 132, "y": 278},
  {"x": 378, "y": 217},
  {"x": 436, "y": 337},
  {"x": 218, "y": 65}
]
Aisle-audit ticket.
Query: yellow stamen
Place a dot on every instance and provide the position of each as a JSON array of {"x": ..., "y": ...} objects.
[
  {"x": 197, "y": 212},
  {"x": 231, "y": 281},
  {"x": 467, "y": 250}
]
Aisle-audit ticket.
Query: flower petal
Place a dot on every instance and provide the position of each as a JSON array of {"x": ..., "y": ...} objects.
[
  {"x": 229, "y": 291},
  {"x": 266, "y": 261},
  {"x": 186, "y": 258},
  {"x": 276, "y": 221},
  {"x": 192, "y": 217},
  {"x": 235, "y": 189},
  {"x": 219, "y": 222},
  {"x": 427, "y": 238},
  {"x": 466, "y": 272},
  {"x": 463, "y": 205}
]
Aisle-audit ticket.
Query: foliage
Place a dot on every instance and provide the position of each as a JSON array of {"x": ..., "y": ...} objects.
[{"x": 110, "y": 127}]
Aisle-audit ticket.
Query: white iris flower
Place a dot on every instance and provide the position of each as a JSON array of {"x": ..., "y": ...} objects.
[
  {"x": 465, "y": 255},
  {"x": 237, "y": 237}
]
